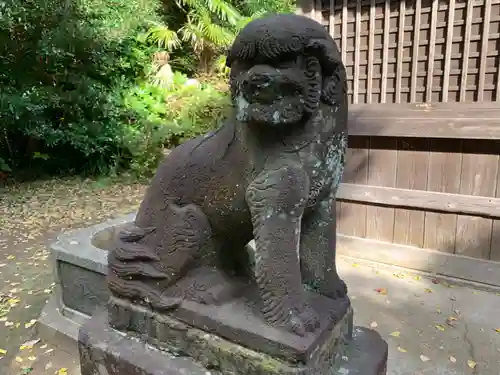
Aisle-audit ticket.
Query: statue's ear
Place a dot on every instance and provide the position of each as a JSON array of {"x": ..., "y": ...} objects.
[{"x": 334, "y": 74}]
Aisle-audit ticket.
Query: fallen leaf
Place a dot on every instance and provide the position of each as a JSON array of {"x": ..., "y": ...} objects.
[
  {"x": 29, "y": 344},
  {"x": 471, "y": 363},
  {"x": 395, "y": 334},
  {"x": 31, "y": 358},
  {"x": 417, "y": 277},
  {"x": 8, "y": 324},
  {"x": 428, "y": 290},
  {"x": 48, "y": 351},
  {"x": 399, "y": 275},
  {"x": 30, "y": 323},
  {"x": 439, "y": 327},
  {"x": 19, "y": 360},
  {"x": 3, "y": 351},
  {"x": 402, "y": 350},
  {"x": 497, "y": 330},
  {"x": 355, "y": 265},
  {"x": 382, "y": 291},
  {"x": 453, "y": 359},
  {"x": 62, "y": 371},
  {"x": 451, "y": 321},
  {"x": 423, "y": 358},
  {"x": 373, "y": 325},
  {"x": 48, "y": 366},
  {"x": 26, "y": 370}
]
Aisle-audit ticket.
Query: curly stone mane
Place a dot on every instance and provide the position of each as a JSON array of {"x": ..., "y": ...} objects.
[{"x": 283, "y": 36}]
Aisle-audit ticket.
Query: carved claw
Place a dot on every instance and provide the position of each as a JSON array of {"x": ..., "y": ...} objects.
[
  {"x": 310, "y": 318},
  {"x": 335, "y": 289},
  {"x": 303, "y": 322},
  {"x": 165, "y": 303}
]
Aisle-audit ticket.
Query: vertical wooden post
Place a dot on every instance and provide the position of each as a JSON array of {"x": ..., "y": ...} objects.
[
  {"x": 484, "y": 50},
  {"x": 385, "y": 53},
  {"x": 357, "y": 41},
  {"x": 371, "y": 46},
  {"x": 344, "y": 31},
  {"x": 447, "y": 56},
  {"x": 432, "y": 48},
  {"x": 465, "y": 57},
  {"x": 416, "y": 42},
  {"x": 331, "y": 19},
  {"x": 401, "y": 39}
]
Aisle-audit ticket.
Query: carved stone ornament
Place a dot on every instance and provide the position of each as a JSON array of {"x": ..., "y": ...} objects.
[{"x": 270, "y": 173}]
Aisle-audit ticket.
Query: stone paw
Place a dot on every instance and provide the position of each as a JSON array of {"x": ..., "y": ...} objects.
[
  {"x": 310, "y": 318},
  {"x": 303, "y": 322},
  {"x": 335, "y": 289},
  {"x": 164, "y": 303}
]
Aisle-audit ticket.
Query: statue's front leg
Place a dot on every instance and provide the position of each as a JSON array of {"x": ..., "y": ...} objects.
[
  {"x": 276, "y": 199},
  {"x": 318, "y": 250}
]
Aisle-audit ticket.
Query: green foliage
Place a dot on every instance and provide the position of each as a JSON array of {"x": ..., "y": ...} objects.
[
  {"x": 158, "y": 116},
  {"x": 78, "y": 93},
  {"x": 207, "y": 27}
]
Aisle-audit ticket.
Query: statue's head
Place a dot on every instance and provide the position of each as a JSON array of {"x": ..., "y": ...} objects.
[{"x": 282, "y": 67}]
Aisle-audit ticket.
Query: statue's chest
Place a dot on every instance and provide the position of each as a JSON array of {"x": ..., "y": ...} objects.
[{"x": 323, "y": 160}]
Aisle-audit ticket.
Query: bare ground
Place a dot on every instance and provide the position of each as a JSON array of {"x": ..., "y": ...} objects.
[{"x": 31, "y": 215}]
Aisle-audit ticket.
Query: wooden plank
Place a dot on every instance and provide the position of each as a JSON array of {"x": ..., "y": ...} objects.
[
  {"x": 357, "y": 41},
  {"x": 490, "y": 109},
  {"x": 343, "y": 51},
  {"x": 318, "y": 13},
  {"x": 352, "y": 214},
  {"x": 331, "y": 19},
  {"x": 401, "y": 39},
  {"x": 465, "y": 57},
  {"x": 425, "y": 260},
  {"x": 478, "y": 177},
  {"x": 371, "y": 43},
  {"x": 480, "y": 128},
  {"x": 443, "y": 120},
  {"x": 420, "y": 199},
  {"x": 385, "y": 51},
  {"x": 484, "y": 50},
  {"x": 498, "y": 82},
  {"x": 416, "y": 42},
  {"x": 447, "y": 55},
  {"x": 495, "y": 237},
  {"x": 445, "y": 162},
  {"x": 432, "y": 48},
  {"x": 381, "y": 172},
  {"x": 413, "y": 160}
]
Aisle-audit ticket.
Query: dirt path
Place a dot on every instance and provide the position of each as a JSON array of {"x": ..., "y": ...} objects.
[{"x": 31, "y": 215}]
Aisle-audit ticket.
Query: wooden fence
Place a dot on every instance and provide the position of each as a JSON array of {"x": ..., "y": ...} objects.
[
  {"x": 415, "y": 51},
  {"x": 422, "y": 183}
]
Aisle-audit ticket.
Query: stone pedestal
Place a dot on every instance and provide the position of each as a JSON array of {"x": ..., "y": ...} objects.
[{"x": 104, "y": 350}]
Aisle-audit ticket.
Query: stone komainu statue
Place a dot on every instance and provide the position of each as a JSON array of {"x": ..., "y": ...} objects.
[{"x": 269, "y": 173}]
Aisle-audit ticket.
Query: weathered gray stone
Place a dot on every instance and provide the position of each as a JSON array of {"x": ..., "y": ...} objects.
[
  {"x": 103, "y": 350},
  {"x": 365, "y": 354},
  {"x": 79, "y": 259}
]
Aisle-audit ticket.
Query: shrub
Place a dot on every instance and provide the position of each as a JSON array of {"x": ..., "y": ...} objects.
[
  {"x": 167, "y": 116},
  {"x": 64, "y": 67}
]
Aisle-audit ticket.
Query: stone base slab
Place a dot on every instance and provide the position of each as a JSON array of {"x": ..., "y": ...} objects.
[
  {"x": 103, "y": 350},
  {"x": 227, "y": 355}
]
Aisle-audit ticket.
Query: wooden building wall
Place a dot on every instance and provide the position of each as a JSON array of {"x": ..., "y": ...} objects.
[
  {"x": 401, "y": 51},
  {"x": 423, "y": 166}
]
